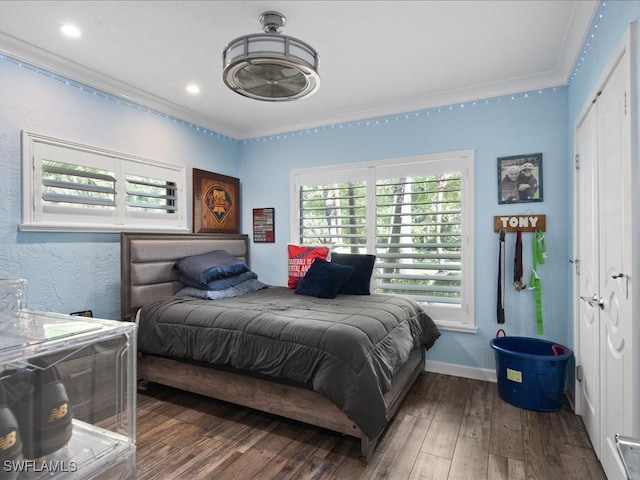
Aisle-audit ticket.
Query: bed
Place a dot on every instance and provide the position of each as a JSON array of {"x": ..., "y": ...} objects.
[{"x": 310, "y": 369}]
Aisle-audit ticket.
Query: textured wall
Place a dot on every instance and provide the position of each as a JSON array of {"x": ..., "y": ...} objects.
[{"x": 76, "y": 271}]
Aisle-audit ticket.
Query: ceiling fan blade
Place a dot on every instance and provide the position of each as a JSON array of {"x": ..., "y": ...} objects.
[
  {"x": 250, "y": 80},
  {"x": 271, "y": 80},
  {"x": 276, "y": 90}
]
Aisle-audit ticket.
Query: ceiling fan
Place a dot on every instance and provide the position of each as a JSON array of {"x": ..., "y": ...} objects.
[{"x": 270, "y": 66}]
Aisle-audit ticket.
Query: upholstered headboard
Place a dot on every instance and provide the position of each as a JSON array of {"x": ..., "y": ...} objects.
[{"x": 147, "y": 259}]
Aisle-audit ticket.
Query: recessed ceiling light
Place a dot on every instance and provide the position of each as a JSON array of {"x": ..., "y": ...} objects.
[
  {"x": 193, "y": 89},
  {"x": 70, "y": 30}
]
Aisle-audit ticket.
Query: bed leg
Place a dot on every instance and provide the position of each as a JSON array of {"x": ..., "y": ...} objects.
[{"x": 367, "y": 447}]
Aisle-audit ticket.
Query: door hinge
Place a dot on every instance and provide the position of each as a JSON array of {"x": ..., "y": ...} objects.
[
  {"x": 579, "y": 373},
  {"x": 576, "y": 262},
  {"x": 595, "y": 99},
  {"x": 577, "y": 161}
]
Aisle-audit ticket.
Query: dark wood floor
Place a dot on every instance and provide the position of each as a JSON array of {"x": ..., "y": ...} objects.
[{"x": 447, "y": 428}]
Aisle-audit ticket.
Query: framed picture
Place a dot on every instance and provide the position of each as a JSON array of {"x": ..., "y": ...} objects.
[
  {"x": 264, "y": 222},
  {"x": 216, "y": 203},
  {"x": 520, "y": 178}
]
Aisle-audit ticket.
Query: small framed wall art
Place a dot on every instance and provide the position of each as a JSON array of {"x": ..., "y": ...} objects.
[
  {"x": 520, "y": 178},
  {"x": 264, "y": 222},
  {"x": 216, "y": 203}
]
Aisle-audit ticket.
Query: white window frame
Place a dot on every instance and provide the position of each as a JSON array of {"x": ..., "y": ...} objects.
[
  {"x": 448, "y": 317},
  {"x": 36, "y": 216}
]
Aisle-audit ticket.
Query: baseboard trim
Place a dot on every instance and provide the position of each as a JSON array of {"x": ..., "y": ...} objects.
[{"x": 461, "y": 371}]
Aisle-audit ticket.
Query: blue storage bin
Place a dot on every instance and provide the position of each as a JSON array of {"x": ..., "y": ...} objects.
[{"x": 531, "y": 372}]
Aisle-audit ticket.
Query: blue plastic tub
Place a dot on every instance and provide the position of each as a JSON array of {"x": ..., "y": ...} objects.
[{"x": 531, "y": 372}]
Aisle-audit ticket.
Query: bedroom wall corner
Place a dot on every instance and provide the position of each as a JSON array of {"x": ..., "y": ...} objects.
[{"x": 68, "y": 272}]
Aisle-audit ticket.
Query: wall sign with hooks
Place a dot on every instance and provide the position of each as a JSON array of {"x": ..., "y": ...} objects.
[{"x": 520, "y": 223}]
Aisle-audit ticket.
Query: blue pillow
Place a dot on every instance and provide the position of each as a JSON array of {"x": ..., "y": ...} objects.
[
  {"x": 228, "y": 282},
  {"x": 199, "y": 270},
  {"x": 324, "y": 279},
  {"x": 248, "y": 286},
  {"x": 360, "y": 282}
]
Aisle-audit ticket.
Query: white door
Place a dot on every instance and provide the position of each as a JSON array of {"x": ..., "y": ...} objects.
[
  {"x": 619, "y": 363},
  {"x": 607, "y": 331},
  {"x": 588, "y": 350}
]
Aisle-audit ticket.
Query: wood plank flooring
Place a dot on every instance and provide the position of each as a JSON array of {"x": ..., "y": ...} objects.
[{"x": 447, "y": 428}]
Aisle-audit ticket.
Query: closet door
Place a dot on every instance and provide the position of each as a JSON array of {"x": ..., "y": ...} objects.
[
  {"x": 588, "y": 338},
  {"x": 617, "y": 206}
]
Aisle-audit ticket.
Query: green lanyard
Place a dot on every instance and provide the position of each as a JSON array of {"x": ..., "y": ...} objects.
[{"x": 539, "y": 254}]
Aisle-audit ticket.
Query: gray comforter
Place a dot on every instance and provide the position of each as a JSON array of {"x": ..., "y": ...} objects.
[{"x": 347, "y": 348}]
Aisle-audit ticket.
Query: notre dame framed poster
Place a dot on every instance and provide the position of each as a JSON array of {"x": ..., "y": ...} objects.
[{"x": 216, "y": 203}]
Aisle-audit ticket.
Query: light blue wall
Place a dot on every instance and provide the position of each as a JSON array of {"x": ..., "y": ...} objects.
[
  {"x": 531, "y": 123},
  {"x": 74, "y": 271},
  {"x": 535, "y": 123}
]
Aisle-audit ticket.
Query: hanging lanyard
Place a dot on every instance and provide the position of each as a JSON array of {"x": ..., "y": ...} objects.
[
  {"x": 500, "y": 303},
  {"x": 518, "y": 270},
  {"x": 539, "y": 254}
]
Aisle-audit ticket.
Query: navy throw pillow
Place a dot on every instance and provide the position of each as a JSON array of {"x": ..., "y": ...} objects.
[
  {"x": 324, "y": 279},
  {"x": 360, "y": 282}
]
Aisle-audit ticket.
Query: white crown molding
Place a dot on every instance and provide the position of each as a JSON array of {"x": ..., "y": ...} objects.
[{"x": 43, "y": 59}]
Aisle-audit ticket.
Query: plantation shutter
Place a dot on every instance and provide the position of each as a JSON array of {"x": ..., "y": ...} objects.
[
  {"x": 81, "y": 188},
  {"x": 418, "y": 242},
  {"x": 334, "y": 214},
  {"x": 64, "y": 183},
  {"x": 150, "y": 194},
  {"x": 332, "y": 209},
  {"x": 415, "y": 214}
]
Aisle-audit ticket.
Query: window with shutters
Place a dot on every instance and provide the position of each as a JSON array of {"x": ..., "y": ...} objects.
[
  {"x": 414, "y": 214},
  {"x": 72, "y": 187}
]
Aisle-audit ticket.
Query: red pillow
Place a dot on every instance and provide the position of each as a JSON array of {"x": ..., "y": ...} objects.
[{"x": 300, "y": 259}]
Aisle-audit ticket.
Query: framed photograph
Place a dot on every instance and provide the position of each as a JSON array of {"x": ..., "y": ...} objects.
[
  {"x": 520, "y": 178},
  {"x": 264, "y": 222},
  {"x": 216, "y": 203}
]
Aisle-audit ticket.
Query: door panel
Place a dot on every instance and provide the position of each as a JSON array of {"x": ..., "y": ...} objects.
[
  {"x": 588, "y": 352},
  {"x": 618, "y": 361}
]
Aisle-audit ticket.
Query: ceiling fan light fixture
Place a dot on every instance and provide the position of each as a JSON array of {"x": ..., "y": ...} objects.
[{"x": 270, "y": 66}]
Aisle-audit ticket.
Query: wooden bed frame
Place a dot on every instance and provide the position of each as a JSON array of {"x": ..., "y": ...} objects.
[{"x": 147, "y": 275}]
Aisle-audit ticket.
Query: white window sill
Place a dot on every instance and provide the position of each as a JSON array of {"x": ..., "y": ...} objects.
[{"x": 87, "y": 227}]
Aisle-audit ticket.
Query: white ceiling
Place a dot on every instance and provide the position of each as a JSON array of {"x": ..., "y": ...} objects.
[{"x": 377, "y": 57}]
